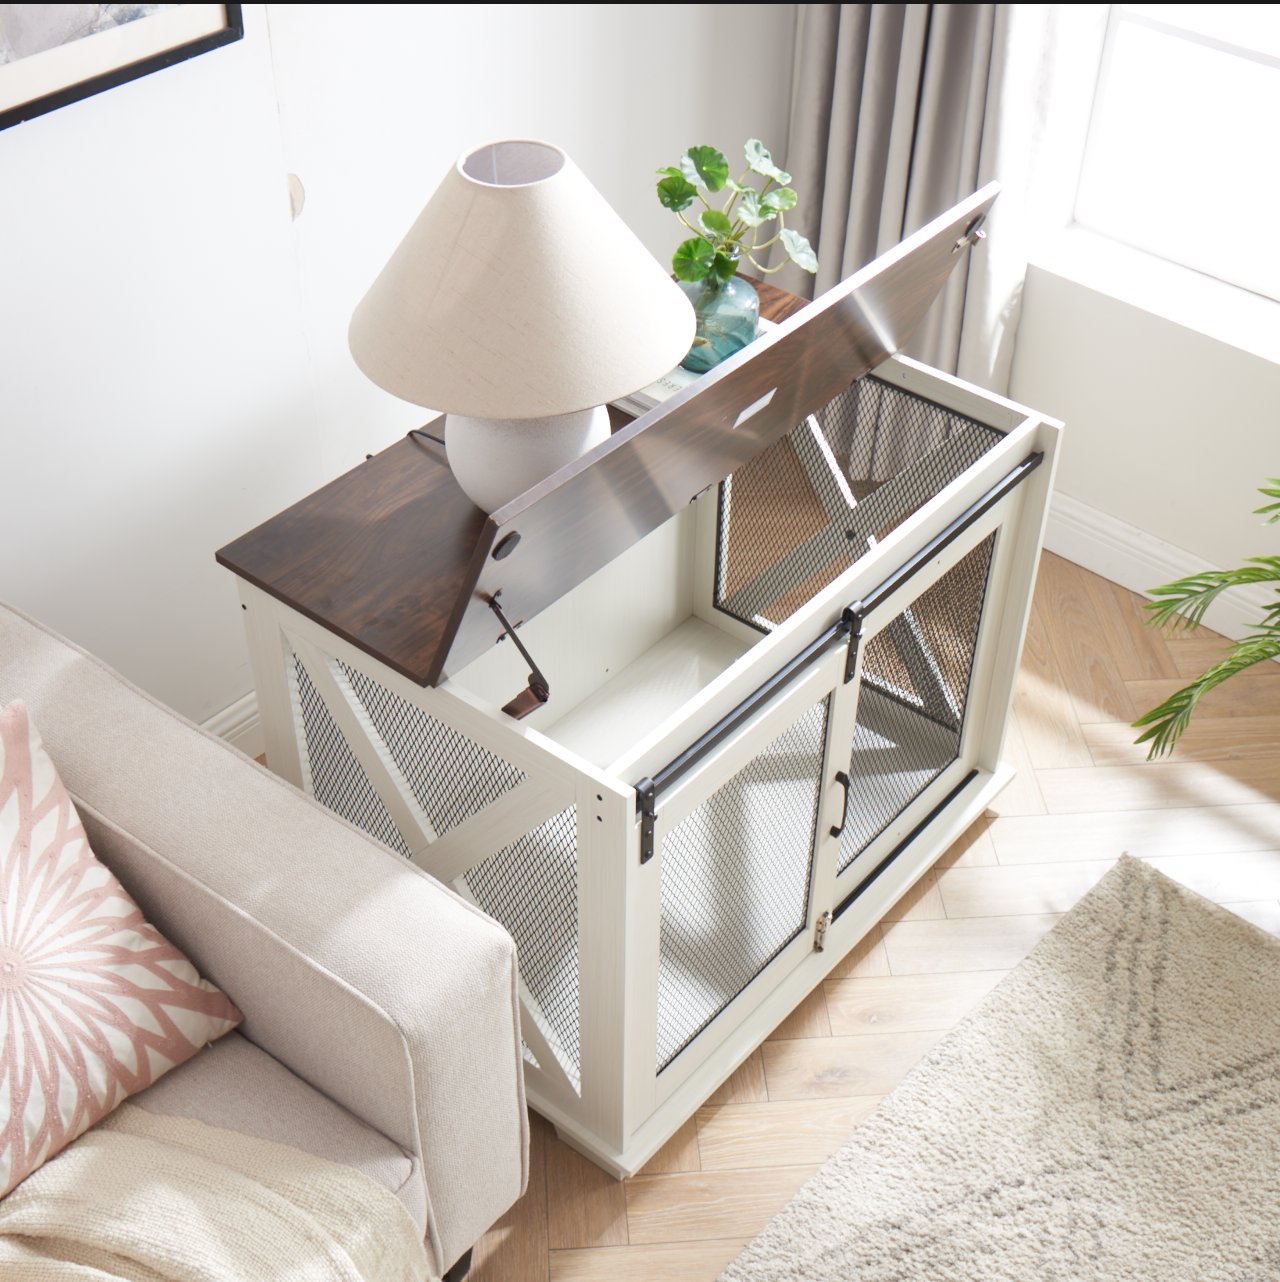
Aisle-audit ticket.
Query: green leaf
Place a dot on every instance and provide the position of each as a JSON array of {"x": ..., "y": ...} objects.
[
  {"x": 710, "y": 166},
  {"x": 715, "y": 223},
  {"x": 1273, "y": 508},
  {"x": 676, "y": 193},
  {"x": 671, "y": 171},
  {"x": 692, "y": 259},
  {"x": 1166, "y": 723},
  {"x": 750, "y": 211},
  {"x": 723, "y": 266},
  {"x": 1184, "y": 601},
  {"x": 779, "y": 199},
  {"x": 799, "y": 249},
  {"x": 734, "y": 185},
  {"x": 762, "y": 163}
]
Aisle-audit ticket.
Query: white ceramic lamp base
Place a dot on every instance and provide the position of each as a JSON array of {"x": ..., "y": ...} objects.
[{"x": 497, "y": 459}]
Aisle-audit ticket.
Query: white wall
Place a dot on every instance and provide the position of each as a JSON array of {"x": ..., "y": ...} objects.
[
  {"x": 173, "y": 362},
  {"x": 154, "y": 389},
  {"x": 1169, "y": 430}
]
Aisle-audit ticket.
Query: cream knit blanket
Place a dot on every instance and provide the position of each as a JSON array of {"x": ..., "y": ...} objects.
[{"x": 167, "y": 1199}]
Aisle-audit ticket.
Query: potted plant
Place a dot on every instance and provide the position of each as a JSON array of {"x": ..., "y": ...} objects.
[
  {"x": 1183, "y": 603},
  {"x": 727, "y": 307}
]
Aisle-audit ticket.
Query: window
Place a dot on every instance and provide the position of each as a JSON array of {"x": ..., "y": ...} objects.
[{"x": 1183, "y": 158}]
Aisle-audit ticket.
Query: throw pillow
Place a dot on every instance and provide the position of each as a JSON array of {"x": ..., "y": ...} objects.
[{"x": 95, "y": 1003}]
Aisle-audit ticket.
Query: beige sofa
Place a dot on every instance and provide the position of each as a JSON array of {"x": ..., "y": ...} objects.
[{"x": 381, "y": 1021}]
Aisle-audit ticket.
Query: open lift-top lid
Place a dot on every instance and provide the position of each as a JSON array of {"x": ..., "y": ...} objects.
[{"x": 393, "y": 557}]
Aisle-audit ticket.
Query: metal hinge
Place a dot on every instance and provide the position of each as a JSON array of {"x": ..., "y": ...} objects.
[
  {"x": 851, "y": 619},
  {"x": 647, "y": 803},
  {"x": 972, "y": 234},
  {"x": 820, "y": 931}
]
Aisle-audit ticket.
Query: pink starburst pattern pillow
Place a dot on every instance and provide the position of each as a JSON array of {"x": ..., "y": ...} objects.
[{"x": 95, "y": 1003}]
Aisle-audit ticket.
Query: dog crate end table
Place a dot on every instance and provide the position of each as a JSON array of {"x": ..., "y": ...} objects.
[{"x": 761, "y": 646}]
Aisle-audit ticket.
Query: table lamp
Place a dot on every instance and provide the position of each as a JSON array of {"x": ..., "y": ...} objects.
[{"x": 520, "y": 304}]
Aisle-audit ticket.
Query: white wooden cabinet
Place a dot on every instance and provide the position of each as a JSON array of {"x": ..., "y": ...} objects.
[{"x": 769, "y": 714}]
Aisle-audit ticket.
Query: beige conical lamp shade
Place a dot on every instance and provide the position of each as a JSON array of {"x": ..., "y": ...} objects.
[{"x": 519, "y": 293}]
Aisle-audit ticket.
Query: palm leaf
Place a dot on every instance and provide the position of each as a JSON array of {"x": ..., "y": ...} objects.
[
  {"x": 1184, "y": 601},
  {"x": 1272, "y": 491},
  {"x": 1166, "y": 723}
]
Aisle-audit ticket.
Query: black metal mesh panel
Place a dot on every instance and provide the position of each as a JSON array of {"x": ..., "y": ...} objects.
[
  {"x": 337, "y": 778},
  {"x": 735, "y": 882},
  {"x": 911, "y": 704},
  {"x": 817, "y": 500},
  {"x": 451, "y": 777},
  {"x": 531, "y": 887}
]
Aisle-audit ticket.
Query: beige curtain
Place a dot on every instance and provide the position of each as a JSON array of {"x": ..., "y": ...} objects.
[{"x": 900, "y": 110}]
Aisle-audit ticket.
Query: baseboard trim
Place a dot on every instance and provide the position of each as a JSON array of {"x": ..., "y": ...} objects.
[
  {"x": 1140, "y": 562},
  {"x": 240, "y": 725}
]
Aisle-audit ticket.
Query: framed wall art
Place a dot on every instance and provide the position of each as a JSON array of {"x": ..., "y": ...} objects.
[{"x": 55, "y": 54}]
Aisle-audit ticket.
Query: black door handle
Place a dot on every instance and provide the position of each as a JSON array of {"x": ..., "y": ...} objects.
[{"x": 842, "y": 778}]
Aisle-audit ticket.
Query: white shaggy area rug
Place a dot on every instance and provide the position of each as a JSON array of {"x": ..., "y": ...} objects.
[{"x": 1111, "y": 1111}]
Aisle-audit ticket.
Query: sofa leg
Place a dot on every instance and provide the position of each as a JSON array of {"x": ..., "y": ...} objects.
[{"x": 461, "y": 1267}]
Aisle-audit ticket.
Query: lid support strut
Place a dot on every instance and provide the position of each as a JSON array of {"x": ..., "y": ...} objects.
[{"x": 538, "y": 690}]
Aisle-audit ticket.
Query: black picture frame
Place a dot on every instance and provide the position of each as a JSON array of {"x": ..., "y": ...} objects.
[{"x": 233, "y": 31}]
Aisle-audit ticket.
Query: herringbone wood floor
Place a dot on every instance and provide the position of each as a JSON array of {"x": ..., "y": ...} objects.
[{"x": 1209, "y": 817}]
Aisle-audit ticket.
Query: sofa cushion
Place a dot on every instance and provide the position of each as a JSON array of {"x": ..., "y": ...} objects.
[
  {"x": 234, "y": 1085},
  {"x": 95, "y": 1002},
  {"x": 225, "y": 941}
]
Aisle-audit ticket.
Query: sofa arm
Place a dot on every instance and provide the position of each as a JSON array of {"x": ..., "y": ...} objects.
[{"x": 359, "y": 972}]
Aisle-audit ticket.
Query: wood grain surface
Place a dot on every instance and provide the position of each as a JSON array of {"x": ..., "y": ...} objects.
[
  {"x": 378, "y": 556},
  {"x": 736, "y": 1137},
  {"x": 700, "y": 1204}
]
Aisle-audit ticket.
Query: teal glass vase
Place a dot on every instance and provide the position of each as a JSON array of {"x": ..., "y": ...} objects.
[{"x": 728, "y": 315}]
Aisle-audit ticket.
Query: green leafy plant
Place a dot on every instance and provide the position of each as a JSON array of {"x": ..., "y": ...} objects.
[
  {"x": 720, "y": 235},
  {"x": 1182, "y": 604}
]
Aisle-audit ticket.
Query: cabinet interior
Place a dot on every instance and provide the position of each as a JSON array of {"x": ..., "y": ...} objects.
[{"x": 626, "y": 650}]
